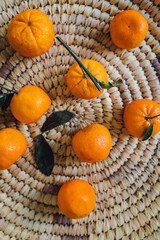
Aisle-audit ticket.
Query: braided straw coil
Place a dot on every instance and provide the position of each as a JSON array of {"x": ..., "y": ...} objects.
[{"x": 126, "y": 183}]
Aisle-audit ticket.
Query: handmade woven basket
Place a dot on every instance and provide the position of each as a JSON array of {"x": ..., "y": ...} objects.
[{"x": 127, "y": 182}]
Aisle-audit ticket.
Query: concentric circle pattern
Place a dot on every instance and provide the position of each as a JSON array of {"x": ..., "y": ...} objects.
[{"x": 127, "y": 182}]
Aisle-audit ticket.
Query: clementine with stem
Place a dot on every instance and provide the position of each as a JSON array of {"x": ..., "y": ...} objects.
[
  {"x": 29, "y": 104},
  {"x": 87, "y": 78},
  {"x": 139, "y": 115}
]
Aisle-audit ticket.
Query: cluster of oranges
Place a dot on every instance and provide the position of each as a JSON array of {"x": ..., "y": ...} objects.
[{"x": 31, "y": 33}]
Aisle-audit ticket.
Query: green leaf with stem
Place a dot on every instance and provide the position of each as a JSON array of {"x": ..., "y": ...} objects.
[
  {"x": 149, "y": 131},
  {"x": 111, "y": 84}
]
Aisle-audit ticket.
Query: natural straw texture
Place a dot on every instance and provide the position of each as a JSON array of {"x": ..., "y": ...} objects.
[{"x": 126, "y": 183}]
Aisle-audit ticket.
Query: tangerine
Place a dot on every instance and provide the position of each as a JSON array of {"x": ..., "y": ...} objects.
[
  {"x": 29, "y": 104},
  {"x": 80, "y": 85},
  {"x": 92, "y": 143},
  {"x": 128, "y": 29},
  {"x": 76, "y": 198},
  {"x": 12, "y": 146},
  {"x": 138, "y": 116},
  {"x": 31, "y": 33}
]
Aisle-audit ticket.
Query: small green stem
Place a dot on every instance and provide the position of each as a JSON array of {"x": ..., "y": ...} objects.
[
  {"x": 84, "y": 74},
  {"x": 10, "y": 90},
  {"x": 94, "y": 80},
  {"x": 148, "y": 117}
]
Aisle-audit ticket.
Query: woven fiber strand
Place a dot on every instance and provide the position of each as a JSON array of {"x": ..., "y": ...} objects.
[{"x": 127, "y": 182}]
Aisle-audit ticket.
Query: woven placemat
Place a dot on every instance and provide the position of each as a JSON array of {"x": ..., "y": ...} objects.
[{"x": 126, "y": 183}]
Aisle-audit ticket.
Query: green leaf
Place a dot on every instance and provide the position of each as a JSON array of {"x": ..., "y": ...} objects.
[
  {"x": 111, "y": 84},
  {"x": 3, "y": 97},
  {"x": 44, "y": 156},
  {"x": 7, "y": 101},
  {"x": 56, "y": 119},
  {"x": 148, "y": 133}
]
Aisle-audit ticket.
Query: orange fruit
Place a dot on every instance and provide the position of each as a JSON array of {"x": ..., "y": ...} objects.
[
  {"x": 82, "y": 87},
  {"x": 135, "y": 117},
  {"x": 128, "y": 29},
  {"x": 31, "y": 33},
  {"x": 92, "y": 143},
  {"x": 29, "y": 104},
  {"x": 12, "y": 146},
  {"x": 76, "y": 198}
]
